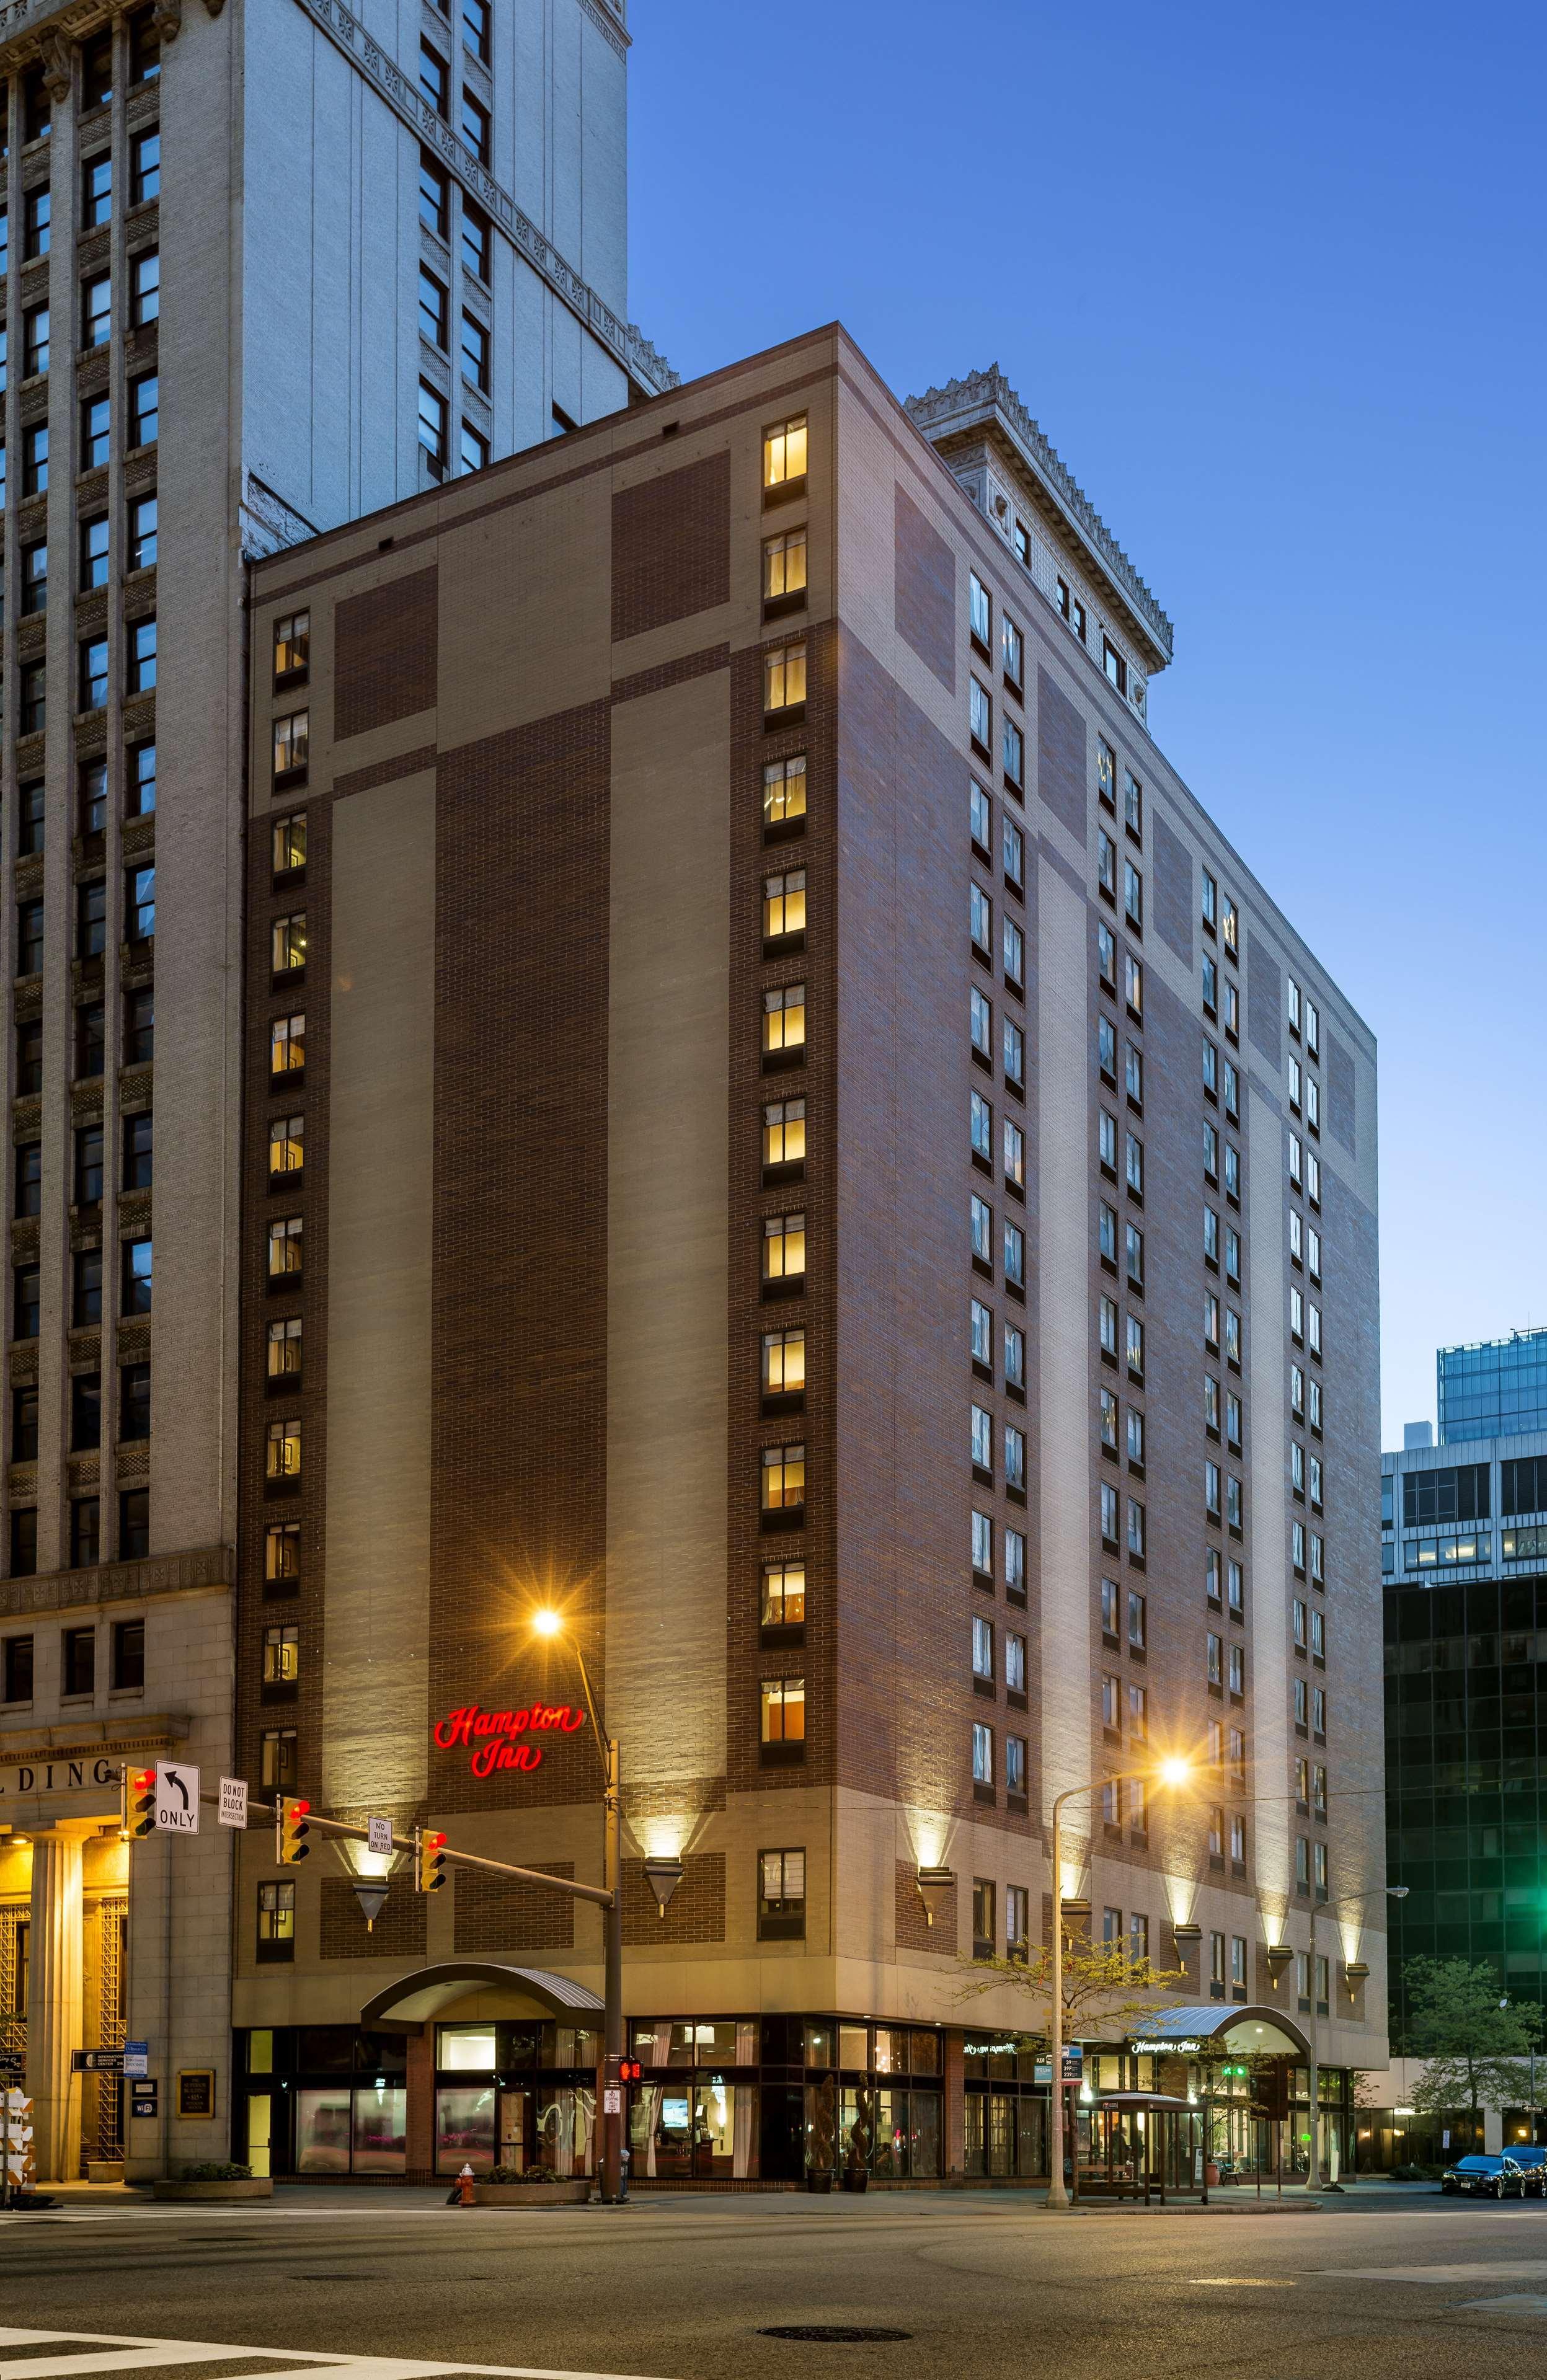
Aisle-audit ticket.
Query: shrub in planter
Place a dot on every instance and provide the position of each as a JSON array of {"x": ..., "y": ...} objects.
[
  {"x": 214, "y": 2170},
  {"x": 538, "y": 2175}
]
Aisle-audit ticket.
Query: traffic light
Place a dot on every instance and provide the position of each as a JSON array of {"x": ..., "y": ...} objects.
[
  {"x": 630, "y": 2071},
  {"x": 429, "y": 1859},
  {"x": 139, "y": 1801},
  {"x": 292, "y": 1831}
]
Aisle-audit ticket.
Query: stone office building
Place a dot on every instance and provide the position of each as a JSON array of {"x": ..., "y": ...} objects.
[
  {"x": 258, "y": 274},
  {"x": 776, "y": 1125}
]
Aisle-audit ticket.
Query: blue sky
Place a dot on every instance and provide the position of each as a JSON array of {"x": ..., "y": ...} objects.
[{"x": 1272, "y": 281}]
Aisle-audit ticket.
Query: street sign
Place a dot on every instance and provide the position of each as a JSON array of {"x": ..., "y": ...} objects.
[
  {"x": 12, "y": 2062},
  {"x": 233, "y": 1802},
  {"x": 96, "y": 2062},
  {"x": 379, "y": 1836},
  {"x": 142, "y": 2099},
  {"x": 176, "y": 1799},
  {"x": 137, "y": 2058},
  {"x": 612, "y": 2099},
  {"x": 1073, "y": 2070}
]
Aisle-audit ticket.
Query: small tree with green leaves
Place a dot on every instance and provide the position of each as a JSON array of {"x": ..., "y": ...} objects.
[
  {"x": 1474, "y": 2047},
  {"x": 1105, "y": 1989}
]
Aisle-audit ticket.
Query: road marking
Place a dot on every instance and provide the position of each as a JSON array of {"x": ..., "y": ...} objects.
[
  {"x": 1230, "y": 2281},
  {"x": 115, "y": 2353},
  {"x": 1522, "y": 2304},
  {"x": 1536, "y": 2270}
]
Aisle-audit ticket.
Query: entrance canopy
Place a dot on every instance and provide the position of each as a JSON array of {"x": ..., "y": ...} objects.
[
  {"x": 1240, "y": 2032},
  {"x": 414, "y": 1999}
]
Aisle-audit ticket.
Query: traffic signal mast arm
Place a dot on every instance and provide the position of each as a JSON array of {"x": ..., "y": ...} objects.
[{"x": 342, "y": 1830}]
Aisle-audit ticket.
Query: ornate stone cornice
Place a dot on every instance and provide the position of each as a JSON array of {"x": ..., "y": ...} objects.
[
  {"x": 128, "y": 1582},
  {"x": 971, "y": 404},
  {"x": 626, "y": 342}
]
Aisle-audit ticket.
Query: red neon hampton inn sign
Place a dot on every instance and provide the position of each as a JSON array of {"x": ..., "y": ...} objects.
[{"x": 492, "y": 1738}]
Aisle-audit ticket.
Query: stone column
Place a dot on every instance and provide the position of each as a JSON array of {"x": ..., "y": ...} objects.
[{"x": 53, "y": 2005}]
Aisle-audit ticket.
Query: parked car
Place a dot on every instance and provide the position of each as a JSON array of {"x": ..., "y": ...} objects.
[
  {"x": 1485, "y": 2176},
  {"x": 1533, "y": 2165}
]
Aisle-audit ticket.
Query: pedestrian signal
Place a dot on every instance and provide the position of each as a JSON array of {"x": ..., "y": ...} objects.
[{"x": 630, "y": 2071}]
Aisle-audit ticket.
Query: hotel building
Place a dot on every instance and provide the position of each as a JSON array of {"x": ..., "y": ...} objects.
[
  {"x": 776, "y": 1123},
  {"x": 260, "y": 271}
]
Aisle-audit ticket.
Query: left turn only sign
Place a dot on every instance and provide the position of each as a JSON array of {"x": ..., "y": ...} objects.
[{"x": 176, "y": 1798}]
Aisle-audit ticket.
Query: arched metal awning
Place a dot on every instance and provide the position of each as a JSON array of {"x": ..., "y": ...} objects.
[
  {"x": 1255, "y": 2031},
  {"x": 414, "y": 1998}
]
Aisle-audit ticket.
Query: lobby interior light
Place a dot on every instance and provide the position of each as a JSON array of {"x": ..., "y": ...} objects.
[
  {"x": 663, "y": 1876},
  {"x": 934, "y": 1883}
]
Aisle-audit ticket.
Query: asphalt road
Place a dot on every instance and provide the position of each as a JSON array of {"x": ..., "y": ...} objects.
[{"x": 673, "y": 2288}]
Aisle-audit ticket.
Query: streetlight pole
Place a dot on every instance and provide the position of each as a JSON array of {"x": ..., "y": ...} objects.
[
  {"x": 1313, "y": 2070},
  {"x": 1171, "y": 1772}
]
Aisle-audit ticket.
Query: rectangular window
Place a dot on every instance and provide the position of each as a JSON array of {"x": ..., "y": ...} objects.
[
  {"x": 140, "y": 664},
  {"x": 96, "y": 311},
  {"x": 1014, "y": 846},
  {"x": 1015, "y": 1255},
  {"x": 1015, "y": 1155},
  {"x": 86, "y": 1552},
  {"x": 477, "y": 239},
  {"x": 277, "y": 1921},
  {"x": 979, "y": 611},
  {"x": 784, "y": 452},
  {"x": 982, "y": 1234},
  {"x": 134, "y": 1401},
  {"x": 980, "y": 717},
  {"x": 136, "y": 1277},
  {"x": 433, "y": 309},
  {"x": 287, "y": 943},
  {"x": 145, "y": 170},
  {"x": 1013, "y": 752},
  {"x": 784, "y": 1363},
  {"x": 145, "y": 288},
  {"x": 34, "y": 360},
  {"x": 37, "y": 212},
  {"x": 782, "y": 1896},
  {"x": 433, "y": 429},
  {"x": 782, "y": 1703},
  {"x": 783, "y": 1134},
  {"x": 283, "y": 1451},
  {"x": 433, "y": 209},
  {"x": 475, "y": 126},
  {"x": 279, "y": 1765},
  {"x": 140, "y": 905},
  {"x": 784, "y": 1478},
  {"x": 982, "y": 1755},
  {"x": 79, "y": 1660},
  {"x": 784, "y": 678},
  {"x": 287, "y": 1147},
  {"x": 1015, "y": 1565},
  {"x": 96, "y": 71},
  {"x": 140, "y": 1027},
  {"x": 475, "y": 28},
  {"x": 144, "y": 410},
  {"x": 784, "y": 568},
  {"x": 783, "y": 1022},
  {"x": 134, "y": 1524},
  {"x": 434, "y": 80},
  {"x": 139, "y": 1151},
  {"x": 95, "y": 432}
]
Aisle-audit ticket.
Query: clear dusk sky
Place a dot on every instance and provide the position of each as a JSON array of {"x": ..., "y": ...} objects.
[{"x": 1272, "y": 281}]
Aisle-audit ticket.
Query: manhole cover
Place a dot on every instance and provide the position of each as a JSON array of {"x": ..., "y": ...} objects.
[{"x": 833, "y": 2334}]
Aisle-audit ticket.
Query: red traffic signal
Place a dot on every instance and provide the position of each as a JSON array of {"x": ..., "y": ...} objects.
[{"x": 140, "y": 1801}]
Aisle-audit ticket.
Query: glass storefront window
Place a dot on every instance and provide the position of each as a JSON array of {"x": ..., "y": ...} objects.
[
  {"x": 380, "y": 2128},
  {"x": 260, "y": 2053},
  {"x": 465, "y": 2048},
  {"x": 694, "y": 2130},
  {"x": 322, "y": 2130},
  {"x": 819, "y": 2045},
  {"x": 566, "y": 2122},
  {"x": 573, "y": 2045},
  {"x": 324, "y": 2050},
  {"x": 464, "y": 2127},
  {"x": 853, "y": 2047},
  {"x": 891, "y": 2051},
  {"x": 925, "y": 2052}
]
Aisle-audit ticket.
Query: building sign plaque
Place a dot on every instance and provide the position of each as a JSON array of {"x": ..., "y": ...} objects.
[
  {"x": 494, "y": 1740},
  {"x": 55, "y": 1776}
]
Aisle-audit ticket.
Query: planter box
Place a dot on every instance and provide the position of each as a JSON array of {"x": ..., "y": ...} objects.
[
  {"x": 528, "y": 2196},
  {"x": 104, "y": 2170},
  {"x": 255, "y": 2189},
  {"x": 818, "y": 2179},
  {"x": 854, "y": 2178}
]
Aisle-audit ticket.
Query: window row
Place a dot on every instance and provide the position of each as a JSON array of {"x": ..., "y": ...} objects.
[
  {"x": 1014, "y": 1555},
  {"x": 983, "y": 1764},
  {"x": 981, "y": 1332},
  {"x": 1222, "y": 919},
  {"x": 1012, "y": 859},
  {"x": 88, "y": 1050},
  {"x": 1133, "y": 1062},
  {"x": 1230, "y": 1508},
  {"x": 1304, "y": 1169},
  {"x": 1231, "y": 1341},
  {"x": 1115, "y": 1439},
  {"x": 1305, "y": 1476},
  {"x": 434, "y": 213},
  {"x": 986, "y": 1668},
  {"x": 1125, "y": 1708},
  {"x": 434, "y": 435},
  {"x": 1223, "y": 1003},
  {"x": 1222, "y": 1163},
  {"x": 79, "y": 1661},
  {"x": 1224, "y": 1661},
  {"x": 1114, "y": 1599},
  {"x": 1013, "y": 1047},
  {"x": 1106, "y": 971},
  {"x": 85, "y": 1411},
  {"x": 1106, "y": 789},
  {"x": 1128, "y": 1347},
  {"x": 85, "y": 1546},
  {"x": 1013, "y": 1450},
  {"x": 137, "y": 1149},
  {"x": 139, "y": 799},
  {"x": 136, "y": 1277},
  {"x": 980, "y": 1222},
  {"x": 1112, "y": 1534},
  {"x": 1304, "y": 1017},
  {"x": 1108, "y": 1233},
  {"x": 1223, "y": 1413},
  {"x": 91, "y": 549},
  {"x": 1225, "y": 1584},
  {"x": 1227, "y": 1751},
  {"x": 1307, "y": 1553},
  {"x": 1107, "y": 873}
]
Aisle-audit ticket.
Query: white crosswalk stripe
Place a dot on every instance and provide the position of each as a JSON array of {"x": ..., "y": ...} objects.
[{"x": 93, "y": 2352}]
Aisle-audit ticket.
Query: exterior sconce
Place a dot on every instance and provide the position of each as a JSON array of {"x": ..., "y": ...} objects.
[
  {"x": 933, "y": 1884},
  {"x": 1279, "y": 1956},
  {"x": 370, "y": 1892},
  {"x": 1355, "y": 1972},
  {"x": 663, "y": 1876},
  {"x": 1185, "y": 1935}
]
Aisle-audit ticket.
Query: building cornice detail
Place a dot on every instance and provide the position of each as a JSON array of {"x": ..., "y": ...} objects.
[
  {"x": 969, "y": 404},
  {"x": 123, "y": 1582},
  {"x": 626, "y": 340}
]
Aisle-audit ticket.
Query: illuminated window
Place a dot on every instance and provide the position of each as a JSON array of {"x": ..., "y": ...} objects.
[
  {"x": 285, "y": 1348},
  {"x": 292, "y": 647},
  {"x": 783, "y": 1247},
  {"x": 284, "y": 1449},
  {"x": 784, "y": 1133},
  {"x": 290, "y": 739},
  {"x": 276, "y": 1920},
  {"x": 783, "y": 1362},
  {"x": 284, "y": 1248},
  {"x": 784, "y": 567},
  {"x": 281, "y": 1655},
  {"x": 282, "y": 1552},
  {"x": 784, "y": 795},
  {"x": 781, "y": 1896},
  {"x": 288, "y": 844},
  {"x": 287, "y": 943},
  {"x": 784, "y": 906},
  {"x": 279, "y": 1766},
  {"x": 783, "y": 1702},
  {"x": 784, "y": 452},
  {"x": 784, "y": 1595},
  {"x": 784, "y": 677},
  {"x": 784, "y": 1020},
  {"x": 288, "y": 1045},
  {"x": 286, "y": 1146}
]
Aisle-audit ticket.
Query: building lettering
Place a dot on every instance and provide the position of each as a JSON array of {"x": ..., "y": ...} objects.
[{"x": 489, "y": 1738}]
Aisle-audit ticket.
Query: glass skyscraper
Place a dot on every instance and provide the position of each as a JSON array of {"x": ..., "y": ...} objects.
[{"x": 1493, "y": 1388}]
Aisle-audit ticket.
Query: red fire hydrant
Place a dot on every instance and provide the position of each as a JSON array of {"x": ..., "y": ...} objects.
[{"x": 465, "y": 2187}]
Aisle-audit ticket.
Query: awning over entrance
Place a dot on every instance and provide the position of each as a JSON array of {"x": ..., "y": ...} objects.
[
  {"x": 1241, "y": 2032},
  {"x": 413, "y": 2000}
]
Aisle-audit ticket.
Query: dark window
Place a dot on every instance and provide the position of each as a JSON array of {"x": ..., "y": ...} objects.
[
  {"x": 79, "y": 1664},
  {"x": 279, "y": 1769},
  {"x": 140, "y": 771},
  {"x": 96, "y": 191},
  {"x": 145, "y": 181},
  {"x": 432, "y": 206},
  {"x": 34, "y": 460},
  {"x": 434, "y": 80},
  {"x": 91, "y": 695},
  {"x": 782, "y": 1896},
  {"x": 29, "y": 937},
  {"x": 92, "y": 797},
  {"x": 24, "y": 1541},
  {"x": 93, "y": 553},
  {"x": 29, "y": 1058},
  {"x": 36, "y": 218},
  {"x": 19, "y": 1669},
  {"x": 476, "y": 236},
  {"x": 145, "y": 288},
  {"x": 432, "y": 429},
  {"x": 138, "y": 1152},
  {"x": 34, "y": 699},
  {"x": 1459, "y": 1495},
  {"x": 475, "y": 126},
  {"x": 134, "y": 1524},
  {"x": 34, "y": 344},
  {"x": 86, "y": 1536},
  {"x": 142, "y": 533},
  {"x": 1525, "y": 1485},
  {"x": 34, "y": 578},
  {"x": 128, "y": 1653},
  {"x": 475, "y": 27},
  {"x": 145, "y": 47},
  {"x": 31, "y": 816},
  {"x": 28, "y": 1185},
  {"x": 37, "y": 106},
  {"x": 139, "y": 1027},
  {"x": 277, "y": 1923},
  {"x": 24, "y": 1424},
  {"x": 86, "y": 1287},
  {"x": 91, "y": 1042},
  {"x": 96, "y": 70},
  {"x": 87, "y": 1165},
  {"x": 134, "y": 1401},
  {"x": 144, "y": 410},
  {"x": 91, "y": 919},
  {"x": 432, "y": 313},
  {"x": 475, "y": 351},
  {"x": 95, "y": 432},
  {"x": 85, "y": 1411},
  {"x": 136, "y": 1278},
  {"x": 142, "y": 657},
  {"x": 26, "y": 1291},
  {"x": 96, "y": 311},
  {"x": 140, "y": 905}
]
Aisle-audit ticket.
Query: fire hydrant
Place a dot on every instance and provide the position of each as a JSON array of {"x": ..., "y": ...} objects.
[{"x": 465, "y": 2187}]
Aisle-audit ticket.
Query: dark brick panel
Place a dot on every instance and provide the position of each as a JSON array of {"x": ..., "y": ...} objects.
[
  {"x": 1063, "y": 766},
  {"x": 384, "y": 655},
  {"x": 1171, "y": 888},
  {"x": 519, "y": 1430},
  {"x": 495, "y": 1913},
  {"x": 398, "y": 1933},
  {"x": 670, "y": 546},
  {"x": 386, "y": 772},
  {"x": 1341, "y": 1120},
  {"x": 696, "y": 1911},
  {"x": 925, "y": 594},
  {"x": 1264, "y": 1001}
]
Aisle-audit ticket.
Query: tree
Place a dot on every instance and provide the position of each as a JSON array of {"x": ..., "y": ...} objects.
[
  {"x": 1104, "y": 1987},
  {"x": 1474, "y": 2047}
]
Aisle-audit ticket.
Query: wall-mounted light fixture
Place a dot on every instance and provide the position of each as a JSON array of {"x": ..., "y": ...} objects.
[
  {"x": 934, "y": 1883},
  {"x": 663, "y": 1876}
]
